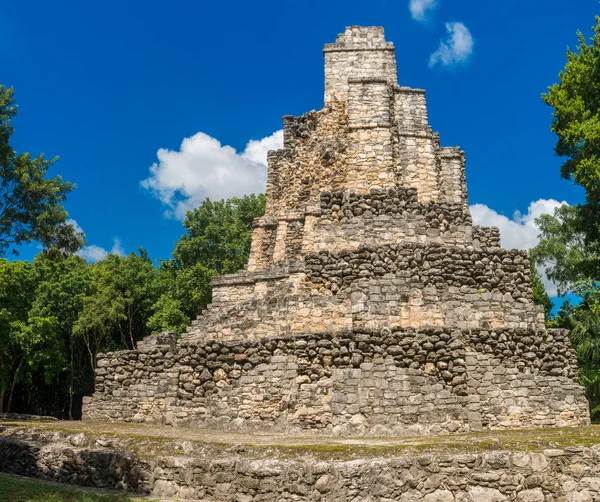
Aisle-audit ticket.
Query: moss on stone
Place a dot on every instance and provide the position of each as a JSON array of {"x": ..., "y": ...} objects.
[{"x": 145, "y": 440}]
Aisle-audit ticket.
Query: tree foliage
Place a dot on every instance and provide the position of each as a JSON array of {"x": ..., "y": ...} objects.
[
  {"x": 217, "y": 241},
  {"x": 219, "y": 234},
  {"x": 565, "y": 251},
  {"x": 576, "y": 103},
  {"x": 569, "y": 247},
  {"x": 31, "y": 204},
  {"x": 540, "y": 296},
  {"x": 58, "y": 312},
  {"x": 30, "y": 340}
]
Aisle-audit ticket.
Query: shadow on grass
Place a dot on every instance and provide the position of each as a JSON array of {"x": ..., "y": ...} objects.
[{"x": 28, "y": 490}]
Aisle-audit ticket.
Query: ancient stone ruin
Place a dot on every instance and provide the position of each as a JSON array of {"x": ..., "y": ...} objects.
[{"x": 370, "y": 304}]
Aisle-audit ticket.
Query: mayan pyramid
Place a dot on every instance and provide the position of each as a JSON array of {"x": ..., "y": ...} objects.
[{"x": 370, "y": 303}]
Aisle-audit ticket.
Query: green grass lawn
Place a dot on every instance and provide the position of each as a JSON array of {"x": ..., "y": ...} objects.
[{"x": 13, "y": 488}]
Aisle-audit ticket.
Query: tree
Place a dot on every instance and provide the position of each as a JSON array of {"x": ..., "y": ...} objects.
[
  {"x": 120, "y": 304},
  {"x": 568, "y": 255},
  {"x": 570, "y": 239},
  {"x": 576, "y": 103},
  {"x": 16, "y": 293},
  {"x": 540, "y": 296},
  {"x": 63, "y": 282},
  {"x": 102, "y": 312},
  {"x": 585, "y": 333},
  {"x": 31, "y": 205},
  {"x": 168, "y": 315},
  {"x": 219, "y": 234},
  {"x": 218, "y": 238},
  {"x": 133, "y": 279},
  {"x": 569, "y": 246},
  {"x": 29, "y": 342}
]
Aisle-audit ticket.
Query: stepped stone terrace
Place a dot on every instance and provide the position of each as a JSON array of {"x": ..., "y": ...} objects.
[{"x": 370, "y": 304}]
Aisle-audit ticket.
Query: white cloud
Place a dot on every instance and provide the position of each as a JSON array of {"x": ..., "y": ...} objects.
[
  {"x": 256, "y": 150},
  {"x": 96, "y": 253},
  {"x": 420, "y": 8},
  {"x": 520, "y": 231},
  {"x": 204, "y": 168},
  {"x": 92, "y": 253},
  {"x": 457, "y": 48},
  {"x": 75, "y": 225},
  {"x": 117, "y": 247}
]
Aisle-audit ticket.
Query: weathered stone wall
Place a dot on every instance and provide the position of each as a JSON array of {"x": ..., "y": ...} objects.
[
  {"x": 196, "y": 470},
  {"x": 313, "y": 158},
  {"x": 486, "y": 237},
  {"x": 358, "y": 53},
  {"x": 452, "y": 171},
  {"x": 370, "y": 134},
  {"x": 377, "y": 382},
  {"x": 443, "y": 286},
  {"x": 397, "y": 285}
]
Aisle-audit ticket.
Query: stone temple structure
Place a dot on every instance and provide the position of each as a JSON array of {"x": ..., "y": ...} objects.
[{"x": 370, "y": 304}]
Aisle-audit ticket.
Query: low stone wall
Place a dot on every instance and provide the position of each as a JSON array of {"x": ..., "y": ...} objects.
[
  {"x": 378, "y": 382},
  {"x": 209, "y": 471}
]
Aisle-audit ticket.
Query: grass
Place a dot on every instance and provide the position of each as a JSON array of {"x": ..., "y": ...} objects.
[{"x": 17, "y": 489}]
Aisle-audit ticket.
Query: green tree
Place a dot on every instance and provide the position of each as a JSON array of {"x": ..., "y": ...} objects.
[
  {"x": 102, "y": 312},
  {"x": 31, "y": 205},
  {"x": 219, "y": 234},
  {"x": 570, "y": 242},
  {"x": 585, "y": 333},
  {"x": 63, "y": 284},
  {"x": 168, "y": 315},
  {"x": 29, "y": 342},
  {"x": 568, "y": 255},
  {"x": 570, "y": 239},
  {"x": 218, "y": 238},
  {"x": 569, "y": 246},
  {"x": 134, "y": 279},
  {"x": 16, "y": 293},
  {"x": 540, "y": 296},
  {"x": 576, "y": 103},
  {"x": 118, "y": 309}
]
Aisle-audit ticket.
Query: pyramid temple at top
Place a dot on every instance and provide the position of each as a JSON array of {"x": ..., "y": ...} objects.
[{"x": 370, "y": 303}]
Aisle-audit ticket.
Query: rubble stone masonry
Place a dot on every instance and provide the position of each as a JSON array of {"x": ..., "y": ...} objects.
[{"x": 370, "y": 305}]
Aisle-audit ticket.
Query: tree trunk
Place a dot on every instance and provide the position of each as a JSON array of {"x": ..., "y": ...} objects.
[
  {"x": 130, "y": 317},
  {"x": 88, "y": 342},
  {"x": 12, "y": 386},
  {"x": 92, "y": 362},
  {"x": 2, "y": 393},
  {"x": 71, "y": 379},
  {"x": 123, "y": 337}
]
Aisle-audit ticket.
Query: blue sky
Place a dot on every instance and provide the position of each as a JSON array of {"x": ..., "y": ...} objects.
[{"x": 106, "y": 85}]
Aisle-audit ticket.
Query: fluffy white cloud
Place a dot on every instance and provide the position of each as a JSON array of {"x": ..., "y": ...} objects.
[
  {"x": 419, "y": 9},
  {"x": 456, "y": 48},
  {"x": 93, "y": 252},
  {"x": 75, "y": 225},
  {"x": 204, "y": 168},
  {"x": 256, "y": 150},
  {"x": 520, "y": 231}
]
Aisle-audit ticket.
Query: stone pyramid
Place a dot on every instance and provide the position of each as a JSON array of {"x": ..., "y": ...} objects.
[{"x": 370, "y": 303}]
